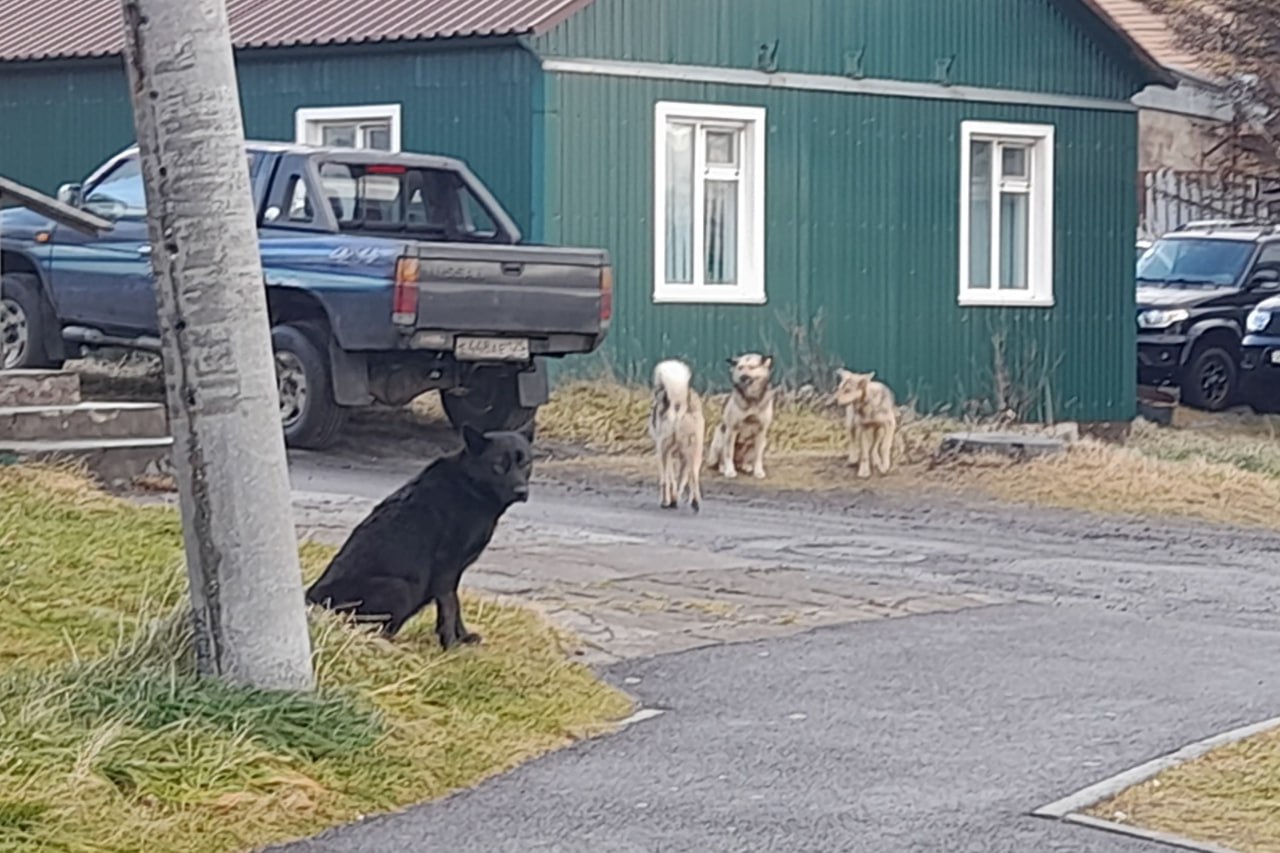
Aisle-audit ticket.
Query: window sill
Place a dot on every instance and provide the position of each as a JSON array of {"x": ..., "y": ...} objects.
[
  {"x": 706, "y": 296},
  {"x": 978, "y": 299}
]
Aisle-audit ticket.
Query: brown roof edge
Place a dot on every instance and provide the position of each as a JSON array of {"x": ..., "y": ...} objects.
[{"x": 1159, "y": 73}]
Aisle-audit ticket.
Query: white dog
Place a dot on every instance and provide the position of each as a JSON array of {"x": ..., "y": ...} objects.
[
  {"x": 741, "y": 437},
  {"x": 678, "y": 430}
]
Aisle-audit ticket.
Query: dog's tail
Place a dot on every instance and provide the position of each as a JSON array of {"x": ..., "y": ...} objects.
[{"x": 671, "y": 380}]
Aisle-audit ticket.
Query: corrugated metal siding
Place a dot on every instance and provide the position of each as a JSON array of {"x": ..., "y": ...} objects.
[
  {"x": 59, "y": 122},
  {"x": 1031, "y": 45},
  {"x": 862, "y": 227}
]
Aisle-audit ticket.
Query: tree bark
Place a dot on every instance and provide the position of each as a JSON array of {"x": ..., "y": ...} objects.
[{"x": 229, "y": 456}]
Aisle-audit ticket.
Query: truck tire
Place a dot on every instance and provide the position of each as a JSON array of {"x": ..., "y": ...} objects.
[
  {"x": 1210, "y": 379},
  {"x": 491, "y": 404},
  {"x": 22, "y": 324},
  {"x": 308, "y": 413}
]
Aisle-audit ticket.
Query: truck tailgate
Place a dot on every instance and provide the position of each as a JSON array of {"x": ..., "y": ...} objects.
[{"x": 505, "y": 289}]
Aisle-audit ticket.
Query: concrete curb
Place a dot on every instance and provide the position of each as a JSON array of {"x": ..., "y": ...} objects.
[
  {"x": 1147, "y": 834},
  {"x": 1068, "y": 808}
]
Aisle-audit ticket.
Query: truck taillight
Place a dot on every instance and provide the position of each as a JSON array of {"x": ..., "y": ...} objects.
[
  {"x": 404, "y": 301},
  {"x": 606, "y": 295}
]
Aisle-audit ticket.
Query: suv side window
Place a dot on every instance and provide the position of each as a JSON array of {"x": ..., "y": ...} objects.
[
  {"x": 1269, "y": 257},
  {"x": 119, "y": 195}
]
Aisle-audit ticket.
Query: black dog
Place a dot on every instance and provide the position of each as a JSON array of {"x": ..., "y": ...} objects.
[{"x": 415, "y": 545}]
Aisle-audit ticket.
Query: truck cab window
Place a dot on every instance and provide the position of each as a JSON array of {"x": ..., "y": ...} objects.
[
  {"x": 434, "y": 204},
  {"x": 119, "y": 195}
]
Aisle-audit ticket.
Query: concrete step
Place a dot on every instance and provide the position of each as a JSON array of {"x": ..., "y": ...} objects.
[
  {"x": 84, "y": 420},
  {"x": 116, "y": 462},
  {"x": 39, "y": 388}
]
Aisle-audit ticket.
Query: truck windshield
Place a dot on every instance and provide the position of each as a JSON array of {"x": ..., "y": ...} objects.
[
  {"x": 1190, "y": 261},
  {"x": 434, "y": 203}
]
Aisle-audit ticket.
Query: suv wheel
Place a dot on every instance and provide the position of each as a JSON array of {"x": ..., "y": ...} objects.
[
  {"x": 22, "y": 324},
  {"x": 308, "y": 413},
  {"x": 1209, "y": 382}
]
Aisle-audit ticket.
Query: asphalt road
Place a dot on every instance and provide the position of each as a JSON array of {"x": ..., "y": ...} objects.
[{"x": 940, "y": 732}]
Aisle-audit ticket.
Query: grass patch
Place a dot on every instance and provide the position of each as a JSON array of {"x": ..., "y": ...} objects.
[
  {"x": 1230, "y": 796},
  {"x": 108, "y": 741}
]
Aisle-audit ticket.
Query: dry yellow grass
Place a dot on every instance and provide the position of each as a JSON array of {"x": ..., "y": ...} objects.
[
  {"x": 1220, "y": 468},
  {"x": 108, "y": 741},
  {"x": 1230, "y": 797}
]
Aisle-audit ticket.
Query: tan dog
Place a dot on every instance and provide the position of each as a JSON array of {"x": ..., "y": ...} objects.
[
  {"x": 678, "y": 430},
  {"x": 741, "y": 437},
  {"x": 871, "y": 419}
]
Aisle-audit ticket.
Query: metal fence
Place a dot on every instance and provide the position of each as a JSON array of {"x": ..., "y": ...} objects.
[{"x": 1168, "y": 198}]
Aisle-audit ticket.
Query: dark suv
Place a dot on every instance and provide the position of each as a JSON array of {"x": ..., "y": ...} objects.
[
  {"x": 1196, "y": 286},
  {"x": 1260, "y": 360}
]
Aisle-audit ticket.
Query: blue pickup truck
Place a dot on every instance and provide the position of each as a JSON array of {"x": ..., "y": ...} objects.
[{"x": 387, "y": 275}]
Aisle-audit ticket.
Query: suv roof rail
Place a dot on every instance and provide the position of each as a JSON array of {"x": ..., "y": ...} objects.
[{"x": 1210, "y": 224}]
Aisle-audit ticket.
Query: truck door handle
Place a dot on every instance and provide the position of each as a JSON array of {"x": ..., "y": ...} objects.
[
  {"x": 144, "y": 249},
  {"x": 512, "y": 268}
]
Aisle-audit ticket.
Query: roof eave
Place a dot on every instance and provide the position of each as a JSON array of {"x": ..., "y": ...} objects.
[{"x": 1157, "y": 73}]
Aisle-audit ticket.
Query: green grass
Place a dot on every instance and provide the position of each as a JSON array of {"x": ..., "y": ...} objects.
[{"x": 110, "y": 742}]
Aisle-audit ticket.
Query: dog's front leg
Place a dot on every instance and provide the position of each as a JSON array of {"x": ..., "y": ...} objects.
[
  {"x": 730, "y": 447},
  {"x": 449, "y": 627},
  {"x": 864, "y": 452},
  {"x": 855, "y": 439},
  {"x": 757, "y": 466}
]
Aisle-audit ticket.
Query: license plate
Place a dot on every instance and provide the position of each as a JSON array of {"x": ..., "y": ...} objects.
[
  {"x": 1275, "y": 356},
  {"x": 491, "y": 349}
]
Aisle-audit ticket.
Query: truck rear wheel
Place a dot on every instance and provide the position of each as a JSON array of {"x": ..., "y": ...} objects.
[
  {"x": 491, "y": 403},
  {"x": 308, "y": 413}
]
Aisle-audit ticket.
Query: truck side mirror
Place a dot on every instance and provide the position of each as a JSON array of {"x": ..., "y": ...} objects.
[{"x": 69, "y": 194}]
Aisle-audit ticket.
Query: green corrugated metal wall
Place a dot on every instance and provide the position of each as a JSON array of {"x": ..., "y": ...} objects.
[
  {"x": 863, "y": 232},
  {"x": 862, "y": 195},
  {"x": 61, "y": 121},
  {"x": 1033, "y": 45}
]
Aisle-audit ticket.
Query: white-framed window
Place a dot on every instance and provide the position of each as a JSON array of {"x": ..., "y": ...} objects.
[
  {"x": 708, "y": 203},
  {"x": 1006, "y": 214},
  {"x": 375, "y": 126}
]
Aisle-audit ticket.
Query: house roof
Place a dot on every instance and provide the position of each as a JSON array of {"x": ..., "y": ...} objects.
[
  {"x": 87, "y": 28},
  {"x": 1150, "y": 30},
  {"x": 66, "y": 29}
]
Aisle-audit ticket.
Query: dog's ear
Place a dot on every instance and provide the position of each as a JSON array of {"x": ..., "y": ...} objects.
[
  {"x": 767, "y": 361},
  {"x": 473, "y": 439},
  {"x": 871, "y": 375},
  {"x": 732, "y": 362}
]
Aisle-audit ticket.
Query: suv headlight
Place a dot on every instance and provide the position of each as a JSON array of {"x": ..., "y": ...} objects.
[
  {"x": 1258, "y": 320},
  {"x": 1162, "y": 318}
]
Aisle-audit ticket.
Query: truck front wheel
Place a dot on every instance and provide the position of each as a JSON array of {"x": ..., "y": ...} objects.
[
  {"x": 22, "y": 324},
  {"x": 308, "y": 413},
  {"x": 490, "y": 402}
]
